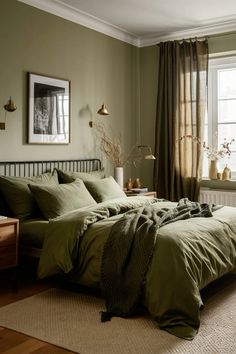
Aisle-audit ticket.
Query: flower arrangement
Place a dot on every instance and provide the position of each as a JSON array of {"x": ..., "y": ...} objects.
[
  {"x": 213, "y": 154},
  {"x": 110, "y": 146}
]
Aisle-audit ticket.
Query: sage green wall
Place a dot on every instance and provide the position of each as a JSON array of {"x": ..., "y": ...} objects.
[
  {"x": 222, "y": 43},
  {"x": 148, "y": 96},
  {"x": 100, "y": 68},
  {"x": 148, "y": 82}
]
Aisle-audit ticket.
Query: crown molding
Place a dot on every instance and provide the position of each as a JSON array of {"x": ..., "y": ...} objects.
[
  {"x": 224, "y": 26},
  {"x": 58, "y": 8}
]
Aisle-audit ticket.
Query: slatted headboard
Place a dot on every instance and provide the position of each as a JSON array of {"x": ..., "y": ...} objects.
[{"x": 34, "y": 168}]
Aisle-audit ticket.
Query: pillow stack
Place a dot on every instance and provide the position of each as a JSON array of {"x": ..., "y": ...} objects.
[
  {"x": 54, "y": 194},
  {"x": 17, "y": 196},
  {"x": 100, "y": 188}
]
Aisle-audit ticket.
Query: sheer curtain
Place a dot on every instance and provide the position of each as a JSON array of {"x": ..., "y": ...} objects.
[{"x": 181, "y": 108}]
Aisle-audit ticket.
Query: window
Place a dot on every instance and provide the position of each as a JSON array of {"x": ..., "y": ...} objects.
[{"x": 221, "y": 121}]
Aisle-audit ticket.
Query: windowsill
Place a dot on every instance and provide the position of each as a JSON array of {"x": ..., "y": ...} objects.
[{"x": 218, "y": 184}]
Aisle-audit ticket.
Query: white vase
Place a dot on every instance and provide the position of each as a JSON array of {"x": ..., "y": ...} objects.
[{"x": 119, "y": 176}]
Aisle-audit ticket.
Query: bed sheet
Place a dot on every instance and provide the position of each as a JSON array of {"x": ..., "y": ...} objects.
[{"x": 32, "y": 232}]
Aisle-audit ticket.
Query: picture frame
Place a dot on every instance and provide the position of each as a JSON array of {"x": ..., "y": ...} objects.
[{"x": 48, "y": 110}]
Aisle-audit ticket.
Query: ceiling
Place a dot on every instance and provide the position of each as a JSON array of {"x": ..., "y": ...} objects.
[{"x": 146, "y": 22}]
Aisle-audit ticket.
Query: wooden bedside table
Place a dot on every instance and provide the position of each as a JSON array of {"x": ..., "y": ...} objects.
[
  {"x": 149, "y": 194},
  {"x": 9, "y": 234}
]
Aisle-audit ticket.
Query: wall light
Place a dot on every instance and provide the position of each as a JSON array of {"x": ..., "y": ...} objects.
[
  {"x": 9, "y": 107},
  {"x": 138, "y": 153},
  {"x": 102, "y": 111}
]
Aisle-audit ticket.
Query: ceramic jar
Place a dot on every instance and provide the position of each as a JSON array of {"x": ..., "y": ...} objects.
[
  {"x": 129, "y": 184},
  {"x": 226, "y": 175},
  {"x": 137, "y": 183}
]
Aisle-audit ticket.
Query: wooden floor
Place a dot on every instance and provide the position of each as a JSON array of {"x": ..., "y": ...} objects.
[{"x": 12, "y": 342}]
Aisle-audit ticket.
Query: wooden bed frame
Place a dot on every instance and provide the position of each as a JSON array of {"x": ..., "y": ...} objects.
[{"x": 34, "y": 168}]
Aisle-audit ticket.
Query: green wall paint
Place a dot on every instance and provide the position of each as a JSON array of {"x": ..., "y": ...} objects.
[
  {"x": 222, "y": 43},
  {"x": 100, "y": 68}
]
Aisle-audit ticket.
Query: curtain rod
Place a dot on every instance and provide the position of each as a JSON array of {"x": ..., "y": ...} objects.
[
  {"x": 185, "y": 39},
  {"x": 197, "y": 38}
]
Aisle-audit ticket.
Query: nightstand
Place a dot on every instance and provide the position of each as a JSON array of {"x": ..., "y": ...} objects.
[
  {"x": 9, "y": 234},
  {"x": 149, "y": 194}
]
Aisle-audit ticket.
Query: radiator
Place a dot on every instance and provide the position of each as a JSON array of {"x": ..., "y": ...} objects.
[{"x": 222, "y": 197}]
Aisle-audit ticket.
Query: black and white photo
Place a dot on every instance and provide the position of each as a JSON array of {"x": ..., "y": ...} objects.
[{"x": 49, "y": 107}]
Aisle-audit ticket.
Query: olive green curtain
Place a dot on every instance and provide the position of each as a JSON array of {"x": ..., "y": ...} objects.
[{"x": 181, "y": 109}]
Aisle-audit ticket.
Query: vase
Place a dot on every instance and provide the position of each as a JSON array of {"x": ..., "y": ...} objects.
[
  {"x": 129, "y": 184},
  {"x": 137, "y": 183},
  {"x": 119, "y": 176},
  {"x": 226, "y": 175},
  {"x": 213, "y": 169}
]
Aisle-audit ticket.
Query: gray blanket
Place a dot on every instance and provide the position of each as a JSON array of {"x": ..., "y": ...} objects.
[{"x": 129, "y": 249}]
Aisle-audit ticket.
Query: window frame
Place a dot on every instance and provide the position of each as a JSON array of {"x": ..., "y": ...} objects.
[{"x": 216, "y": 64}]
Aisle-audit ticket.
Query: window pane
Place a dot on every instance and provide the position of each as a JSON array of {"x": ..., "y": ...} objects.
[
  {"x": 227, "y": 110},
  {"x": 228, "y": 132},
  {"x": 227, "y": 86}
]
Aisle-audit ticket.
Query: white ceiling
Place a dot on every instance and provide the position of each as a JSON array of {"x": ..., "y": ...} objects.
[{"x": 145, "y": 22}]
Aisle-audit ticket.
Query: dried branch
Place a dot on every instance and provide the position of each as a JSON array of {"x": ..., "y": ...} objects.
[
  {"x": 110, "y": 146},
  {"x": 212, "y": 154}
]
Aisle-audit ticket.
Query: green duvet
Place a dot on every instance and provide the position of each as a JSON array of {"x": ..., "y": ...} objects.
[{"x": 188, "y": 255}]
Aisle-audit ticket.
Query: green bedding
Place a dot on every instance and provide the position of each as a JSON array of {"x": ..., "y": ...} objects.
[
  {"x": 188, "y": 255},
  {"x": 32, "y": 232}
]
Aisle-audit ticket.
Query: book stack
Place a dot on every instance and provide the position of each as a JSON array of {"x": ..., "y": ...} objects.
[{"x": 136, "y": 190}]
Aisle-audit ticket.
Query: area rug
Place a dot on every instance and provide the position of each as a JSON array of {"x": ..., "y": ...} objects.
[{"x": 72, "y": 320}]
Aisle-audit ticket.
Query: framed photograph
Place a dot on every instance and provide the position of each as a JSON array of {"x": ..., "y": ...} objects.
[{"x": 49, "y": 110}]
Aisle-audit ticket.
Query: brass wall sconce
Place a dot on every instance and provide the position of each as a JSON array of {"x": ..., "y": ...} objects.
[
  {"x": 102, "y": 111},
  {"x": 9, "y": 107}
]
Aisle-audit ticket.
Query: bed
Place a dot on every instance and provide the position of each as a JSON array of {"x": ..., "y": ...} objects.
[
  {"x": 76, "y": 238},
  {"x": 33, "y": 229}
]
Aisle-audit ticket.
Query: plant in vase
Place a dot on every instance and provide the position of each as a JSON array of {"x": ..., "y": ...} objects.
[
  {"x": 213, "y": 154},
  {"x": 110, "y": 146}
]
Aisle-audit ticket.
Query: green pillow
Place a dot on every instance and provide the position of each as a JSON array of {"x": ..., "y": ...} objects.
[
  {"x": 18, "y": 197},
  {"x": 57, "y": 200},
  {"x": 105, "y": 189},
  {"x": 69, "y": 176}
]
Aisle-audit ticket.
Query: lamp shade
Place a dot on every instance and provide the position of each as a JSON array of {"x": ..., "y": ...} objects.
[
  {"x": 139, "y": 153},
  {"x": 10, "y": 106},
  {"x": 103, "y": 110},
  {"x": 149, "y": 157}
]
